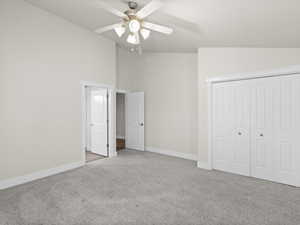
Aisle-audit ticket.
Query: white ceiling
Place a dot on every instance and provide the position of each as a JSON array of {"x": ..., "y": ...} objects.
[{"x": 197, "y": 23}]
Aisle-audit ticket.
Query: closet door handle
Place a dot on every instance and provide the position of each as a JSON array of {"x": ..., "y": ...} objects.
[
  {"x": 261, "y": 135},
  {"x": 239, "y": 133}
]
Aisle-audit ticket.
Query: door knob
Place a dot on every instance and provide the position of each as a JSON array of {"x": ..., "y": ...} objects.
[
  {"x": 141, "y": 124},
  {"x": 261, "y": 135},
  {"x": 239, "y": 133}
]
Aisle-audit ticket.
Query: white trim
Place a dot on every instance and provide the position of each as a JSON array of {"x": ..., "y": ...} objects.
[
  {"x": 172, "y": 153},
  {"x": 210, "y": 139},
  {"x": 94, "y": 84},
  {"x": 292, "y": 70},
  {"x": 120, "y": 91},
  {"x": 112, "y": 123},
  {"x": 135, "y": 148},
  {"x": 204, "y": 165},
  {"x": 38, "y": 175},
  {"x": 111, "y": 93}
]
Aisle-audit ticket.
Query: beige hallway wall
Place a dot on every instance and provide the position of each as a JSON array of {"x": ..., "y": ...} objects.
[
  {"x": 214, "y": 62},
  {"x": 169, "y": 81},
  {"x": 43, "y": 58}
]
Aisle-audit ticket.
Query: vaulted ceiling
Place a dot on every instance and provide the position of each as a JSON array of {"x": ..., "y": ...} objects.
[{"x": 196, "y": 23}]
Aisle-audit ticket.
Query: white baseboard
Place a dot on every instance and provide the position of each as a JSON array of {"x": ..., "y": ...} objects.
[
  {"x": 38, "y": 175},
  {"x": 136, "y": 148},
  {"x": 172, "y": 153},
  {"x": 204, "y": 165}
]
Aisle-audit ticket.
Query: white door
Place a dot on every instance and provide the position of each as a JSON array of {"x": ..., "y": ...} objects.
[
  {"x": 256, "y": 127},
  {"x": 263, "y": 135},
  {"x": 286, "y": 157},
  {"x": 222, "y": 126},
  {"x": 231, "y": 127},
  {"x": 98, "y": 121},
  {"x": 135, "y": 121},
  {"x": 240, "y": 162}
]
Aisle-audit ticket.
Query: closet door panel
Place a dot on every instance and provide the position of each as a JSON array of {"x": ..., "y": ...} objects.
[
  {"x": 263, "y": 99},
  {"x": 231, "y": 127},
  {"x": 240, "y": 163},
  {"x": 222, "y": 126},
  {"x": 287, "y": 157}
]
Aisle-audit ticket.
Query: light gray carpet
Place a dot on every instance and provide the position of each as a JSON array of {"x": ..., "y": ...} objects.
[{"x": 144, "y": 188}]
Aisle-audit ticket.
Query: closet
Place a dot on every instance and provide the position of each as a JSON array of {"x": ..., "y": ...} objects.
[{"x": 255, "y": 126}]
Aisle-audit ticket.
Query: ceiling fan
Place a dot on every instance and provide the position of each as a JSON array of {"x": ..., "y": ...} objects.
[{"x": 133, "y": 21}]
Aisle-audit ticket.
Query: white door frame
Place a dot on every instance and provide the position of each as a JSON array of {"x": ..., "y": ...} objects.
[
  {"x": 111, "y": 117},
  {"x": 120, "y": 91}
]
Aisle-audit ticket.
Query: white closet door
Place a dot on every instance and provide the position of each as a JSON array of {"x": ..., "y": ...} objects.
[
  {"x": 287, "y": 116},
  {"x": 231, "y": 106},
  {"x": 264, "y": 100},
  {"x": 222, "y": 125},
  {"x": 240, "y": 162},
  {"x": 256, "y": 127}
]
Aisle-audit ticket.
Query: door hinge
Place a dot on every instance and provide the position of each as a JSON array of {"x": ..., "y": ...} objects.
[{"x": 107, "y": 145}]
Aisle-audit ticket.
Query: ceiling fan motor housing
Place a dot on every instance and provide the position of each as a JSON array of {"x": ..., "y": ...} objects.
[{"x": 132, "y": 5}]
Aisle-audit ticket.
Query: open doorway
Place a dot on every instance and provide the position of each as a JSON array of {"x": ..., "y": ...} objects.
[
  {"x": 130, "y": 120},
  {"x": 120, "y": 121},
  {"x": 97, "y": 124}
]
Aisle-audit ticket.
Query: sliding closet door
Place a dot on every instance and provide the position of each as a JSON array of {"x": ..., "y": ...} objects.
[
  {"x": 287, "y": 141},
  {"x": 231, "y": 121}
]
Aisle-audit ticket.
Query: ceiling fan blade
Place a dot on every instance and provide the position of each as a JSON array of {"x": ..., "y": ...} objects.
[
  {"x": 112, "y": 10},
  {"x": 158, "y": 28},
  {"x": 107, "y": 28},
  {"x": 149, "y": 8}
]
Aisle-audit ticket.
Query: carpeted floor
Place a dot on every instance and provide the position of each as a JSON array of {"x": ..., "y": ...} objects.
[{"x": 140, "y": 188}]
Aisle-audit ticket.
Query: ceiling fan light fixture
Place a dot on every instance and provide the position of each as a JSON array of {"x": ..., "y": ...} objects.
[
  {"x": 145, "y": 33},
  {"x": 134, "y": 25},
  {"x": 120, "y": 30},
  {"x": 133, "y": 39}
]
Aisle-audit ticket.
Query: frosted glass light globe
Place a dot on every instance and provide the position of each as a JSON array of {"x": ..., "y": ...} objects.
[
  {"x": 133, "y": 39},
  {"x": 145, "y": 33},
  {"x": 134, "y": 26}
]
